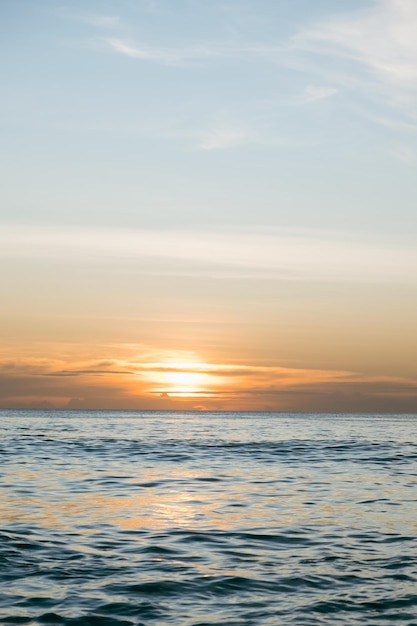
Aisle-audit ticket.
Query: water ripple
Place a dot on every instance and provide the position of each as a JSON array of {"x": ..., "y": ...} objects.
[{"x": 252, "y": 519}]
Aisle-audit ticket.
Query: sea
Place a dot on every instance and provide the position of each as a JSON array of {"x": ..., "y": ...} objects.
[{"x": 117, "y": 518}]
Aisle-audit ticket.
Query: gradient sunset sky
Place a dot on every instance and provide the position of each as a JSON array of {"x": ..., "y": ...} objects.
[{"x": 209, "y": 204}]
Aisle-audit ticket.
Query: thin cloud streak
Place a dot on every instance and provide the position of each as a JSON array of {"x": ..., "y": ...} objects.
[
  {"x": 376, "y": 50},
  {"x": 382, "y": 39},
  {"x": 372, "y": 50},
  {"x": 187, "y": 55},
  {"x": 171, "y": 56},
  {"x": 291, "y": 256}
]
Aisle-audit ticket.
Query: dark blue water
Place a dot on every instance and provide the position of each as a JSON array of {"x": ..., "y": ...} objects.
[{"x": 115, "y": 518}]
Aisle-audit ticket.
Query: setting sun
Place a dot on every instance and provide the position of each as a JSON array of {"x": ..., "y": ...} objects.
[
  {"x": 180, "y": 379},
  {"x": 185, "y": 383}
]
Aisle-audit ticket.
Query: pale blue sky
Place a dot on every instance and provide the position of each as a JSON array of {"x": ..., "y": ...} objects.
[
  {"x": 229, "y": 182},
  {"x": 187, "y": 113}
]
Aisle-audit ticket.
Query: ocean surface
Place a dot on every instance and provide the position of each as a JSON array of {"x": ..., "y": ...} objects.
[{"x": 192, "y": 519}]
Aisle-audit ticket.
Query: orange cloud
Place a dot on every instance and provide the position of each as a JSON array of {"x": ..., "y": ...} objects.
[{"x": 176, "y": 380}]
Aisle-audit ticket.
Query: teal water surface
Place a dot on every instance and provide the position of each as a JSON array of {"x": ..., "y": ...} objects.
[{"x": 192, "y": 519}]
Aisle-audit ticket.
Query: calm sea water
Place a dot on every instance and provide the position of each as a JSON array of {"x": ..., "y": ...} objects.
[{"x": 129, "y": 518}]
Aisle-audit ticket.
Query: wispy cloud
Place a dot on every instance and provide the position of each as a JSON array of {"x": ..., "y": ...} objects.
[
  {"x": 188, "y": 54},
  {"x": 376, "y": 43},
  {"x": 168, "y": 56},
  {"x": 382, "y": 38},
  {"x": 289, "y": 255},
  {"x": 371, "y": 52},
  {"x": 379, "y": 41}
]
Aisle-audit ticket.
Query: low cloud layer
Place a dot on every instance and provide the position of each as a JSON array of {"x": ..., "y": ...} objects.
[{"x": 57, "y": 384}]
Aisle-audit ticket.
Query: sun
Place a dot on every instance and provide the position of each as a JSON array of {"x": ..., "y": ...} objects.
[
  {"x": 185, "y": 383},
  {"x": 181, "y": 379},
  {"x": 184, "y": 379}
]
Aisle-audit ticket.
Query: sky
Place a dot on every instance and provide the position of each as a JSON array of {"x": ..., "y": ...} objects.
[{"x": 208, "y": 204}]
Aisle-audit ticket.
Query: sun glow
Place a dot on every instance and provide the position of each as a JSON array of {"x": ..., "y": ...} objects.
[
  {"x": 184, "y": 379},
  {"x": 185, "y": 383},
  {"x": 181, "y": 379}
]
